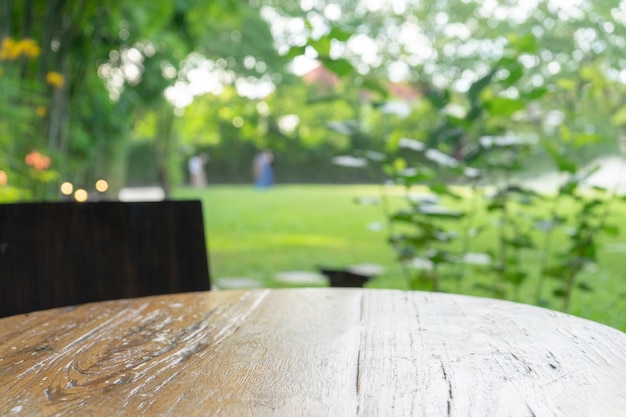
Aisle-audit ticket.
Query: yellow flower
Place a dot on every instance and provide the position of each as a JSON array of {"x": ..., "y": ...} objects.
[
  {"x": 29, "y": 48},
  {"x": 55, "y": 79},
  {"x": 8, "y": 49},
  {"x": 11, "y": 49},
  {"x": 41, "y": 111}
]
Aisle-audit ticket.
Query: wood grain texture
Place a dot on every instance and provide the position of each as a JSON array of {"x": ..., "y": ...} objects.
[{"x": 310, "y": 352}]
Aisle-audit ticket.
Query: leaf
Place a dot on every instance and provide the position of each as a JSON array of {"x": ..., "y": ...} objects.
[
  {"x": 516, "y": 71},
  {"x": 321, "y": 45},
  {"x": 568, "y": 188},
  {"x": 399, "y": 164},
  {"x": 581, "y": 139},
  {"x": 566, "y": 133},
  {"x": 474, "y": 113},
  {"x": 556, "y": 271},
  {"x": 592, "y": 74},
  {"x": 458, "y": 122},
  {"x": 591, "y": 204},
  {"x": 479, "y": 85},
  {"x": 619, "y": 118},
  {"x": 518, "y": 189},
  {"x": 340, "y": 66},
  {"x": 562, "y": 163},
  {"x": 402, "y": 217},
  {"x": 536, "y": 93},
  {"x": 610, "y": 230},
  {"x": 440, "y": 257},
  {"x": 498, "y": 204},
  {"x": 583, "y": 286},
  {"x": 375, "y": 85},
  {"x": 439, "y": 211},
  {"x": 445, "y": 134},
  {"x": 521, "y": 242},
  {"x": 515, "y": 277},
  {"x": 339, "y": 34},
  {"x": 413, "y": 176},
  {"x": 439, "y": 98},
  {"x": 590, "y": 253},
  {"x": 526, "y": 44},
  {"x": 566, "y": 84},
  {"x": 443, "y": 189},
  {"x": 503, "y": 106},
  {"x": 295, "y": 51}
]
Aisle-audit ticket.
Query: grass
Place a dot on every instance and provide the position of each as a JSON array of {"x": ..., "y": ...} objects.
[
  {"x": 259, "y": 233},
  {"x": 255, "y": 234}
]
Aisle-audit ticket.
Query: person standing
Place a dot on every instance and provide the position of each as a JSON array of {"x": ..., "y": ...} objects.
[
  {"x": 262, "y": 169},
  {"x": 197, "y": 175}
]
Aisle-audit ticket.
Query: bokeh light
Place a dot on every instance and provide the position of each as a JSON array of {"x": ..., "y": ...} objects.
[
  {"x": 80, "y": 195},
  {"x": 67, "y": 188},
  {"x": 4, "y": 178},
  {"x": 102, "y": 185}
]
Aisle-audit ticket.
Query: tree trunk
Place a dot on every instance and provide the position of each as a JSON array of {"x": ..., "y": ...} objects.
[{"x": 163, "y": 148}]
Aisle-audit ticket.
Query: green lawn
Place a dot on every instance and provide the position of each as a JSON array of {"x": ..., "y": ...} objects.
[{"x": 258, "y": 233}]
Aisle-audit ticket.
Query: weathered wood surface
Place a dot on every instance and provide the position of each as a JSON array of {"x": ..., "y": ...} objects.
[{"x": 310, "y": 352}]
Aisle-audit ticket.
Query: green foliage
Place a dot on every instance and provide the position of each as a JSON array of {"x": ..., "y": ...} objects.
[
  {"x": 24, "y": 168},
  {"x": 486, "y": 141},
  {"x": 297, "y": 227}
]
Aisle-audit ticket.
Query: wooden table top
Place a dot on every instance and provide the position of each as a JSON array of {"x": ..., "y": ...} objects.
[{"x": 310, "y": 352}]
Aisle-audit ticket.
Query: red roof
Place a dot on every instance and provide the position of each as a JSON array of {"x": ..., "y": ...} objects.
[
  {"x": 322, "y": 77},
  {"x": 328, "y": 80}
]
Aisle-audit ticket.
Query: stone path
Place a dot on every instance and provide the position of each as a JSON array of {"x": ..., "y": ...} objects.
[
  {"x": 301, "y": 278},
  {"x": 235, "y": 283}
]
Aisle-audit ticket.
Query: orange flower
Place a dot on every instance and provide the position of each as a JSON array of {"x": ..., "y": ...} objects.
[
  {"x": 4, "y": 179},
  {"x": 37, "y": 160},
  {"x": 55, "y": 79}
]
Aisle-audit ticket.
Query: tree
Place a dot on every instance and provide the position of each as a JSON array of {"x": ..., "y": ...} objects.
[{"x": 90, "y": 52}]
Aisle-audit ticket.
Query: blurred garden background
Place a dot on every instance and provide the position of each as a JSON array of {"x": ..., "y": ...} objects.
[{"x": 461, "y": 145}]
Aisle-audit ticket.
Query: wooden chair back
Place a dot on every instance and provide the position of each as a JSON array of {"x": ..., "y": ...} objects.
[{"x": 61, "y": 254}]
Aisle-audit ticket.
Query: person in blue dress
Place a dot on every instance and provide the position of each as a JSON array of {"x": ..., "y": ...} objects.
[{"x": 263, "y": 171}]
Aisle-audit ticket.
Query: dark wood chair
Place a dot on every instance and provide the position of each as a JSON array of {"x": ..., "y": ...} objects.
[
  {"x": 62, "y": 254},
  {"x": 344, "y": 278}
]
